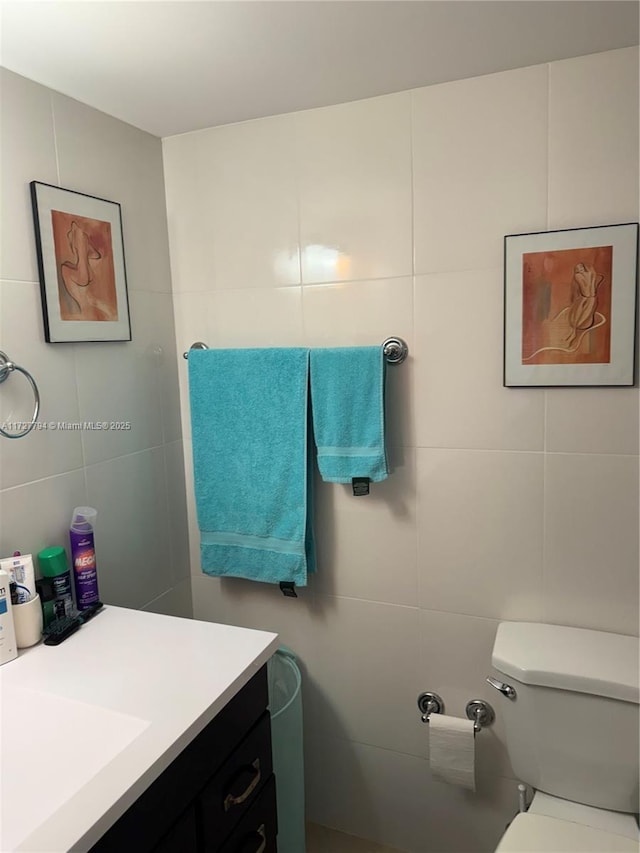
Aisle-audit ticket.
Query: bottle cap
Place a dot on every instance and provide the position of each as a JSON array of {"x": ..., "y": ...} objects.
[
  {"x": 53, "y": 561},
  {"x": 83, "y": 519}
]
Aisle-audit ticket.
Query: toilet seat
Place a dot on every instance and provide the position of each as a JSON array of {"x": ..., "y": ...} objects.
[{"x": 537, "y": 833}]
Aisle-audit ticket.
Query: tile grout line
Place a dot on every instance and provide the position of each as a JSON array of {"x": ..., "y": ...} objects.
[
  {"x": 545, "y": 422},
  {"x": 415, "y": 607},
  {"x": 414, "y": 373},
  {"x": 55, "y": 139},
  {"x": 341, "y": 282},
  {"x": 83, "y": 467}
]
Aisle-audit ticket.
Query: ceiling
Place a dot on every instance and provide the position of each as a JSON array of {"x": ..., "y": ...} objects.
[{"x": 176, "y": 66}]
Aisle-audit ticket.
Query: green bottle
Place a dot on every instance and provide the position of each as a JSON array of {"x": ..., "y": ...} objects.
[
  {"x": 44, "y": 588},
  {"x": 54, "y": 565}
]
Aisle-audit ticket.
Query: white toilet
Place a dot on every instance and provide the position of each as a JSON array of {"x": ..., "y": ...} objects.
[{"x": 570, "y": 704}]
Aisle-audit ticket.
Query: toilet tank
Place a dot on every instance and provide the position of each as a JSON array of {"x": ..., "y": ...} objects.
[{"x": 572, "y": 728}]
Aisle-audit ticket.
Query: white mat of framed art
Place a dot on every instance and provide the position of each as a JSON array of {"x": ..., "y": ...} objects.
[{"x": 570, "y": 307}]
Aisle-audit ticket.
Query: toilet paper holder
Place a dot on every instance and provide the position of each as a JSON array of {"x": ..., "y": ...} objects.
[
  {"x": 477, "y": 710},
  {"x": 481, "y": 713},
  {"x": 430, "y": 703}
]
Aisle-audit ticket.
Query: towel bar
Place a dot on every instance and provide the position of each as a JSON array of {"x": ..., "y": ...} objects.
[{"x": 395, "y": 350}]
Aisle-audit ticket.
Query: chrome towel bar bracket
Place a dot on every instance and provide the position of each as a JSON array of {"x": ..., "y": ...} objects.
[
  {"x": 7, "y": 367},
  {"x": 395, "y": 350},
  {"x": 197, "y": 345}
]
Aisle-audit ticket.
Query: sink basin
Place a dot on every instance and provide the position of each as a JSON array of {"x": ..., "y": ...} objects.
[{"x": 78, "y": 739}]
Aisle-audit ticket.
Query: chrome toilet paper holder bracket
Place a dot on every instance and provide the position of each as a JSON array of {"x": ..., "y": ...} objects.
[
  {"x": 430, "y": 703},
  {"x": 481, "y": 713},
  {"x": 477, "y": 710}
]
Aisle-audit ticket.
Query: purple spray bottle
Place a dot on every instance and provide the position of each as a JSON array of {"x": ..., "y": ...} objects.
[{"x": 83, "y": 556}]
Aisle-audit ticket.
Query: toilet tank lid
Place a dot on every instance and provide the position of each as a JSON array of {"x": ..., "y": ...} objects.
[{"x": 569, "y": 658}]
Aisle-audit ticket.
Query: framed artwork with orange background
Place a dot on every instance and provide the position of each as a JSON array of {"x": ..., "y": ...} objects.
[
  {"x": 570, "y": 306},
  {"x": 81, "y": 263}
]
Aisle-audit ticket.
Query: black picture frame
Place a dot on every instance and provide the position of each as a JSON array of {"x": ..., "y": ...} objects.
[
  {"x": 81, "y": 265},
  {"x": 570, "y": 304}
]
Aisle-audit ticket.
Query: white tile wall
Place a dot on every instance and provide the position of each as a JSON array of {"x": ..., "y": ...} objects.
[
  {"x": 591, "y": 542},
  {"x": 141, "y": 535},
  {"x": 367, "y": 548},
  {"x": 36, "y": 515},
  {"x": 354, "y": 178},
  {"x": 43, "y": 452},
  {"x": 479, "y": 520},
  {"x": 593, "y": 420},
  {"x": 27, "y": 153},
  {"x": 365, "y": 664},
  {"x": 257, "y": 317},
  {"x": 134, "y": 526},
  {"x": 174, "y": 602},
  {"x": 110, "y": 159},
  {"x": 239, "y": 207},
  {"x": 459, "y": 669},
  {"x": 458, "y": 323},
  {"x": 188, "y": 216},
  {"x": 358, "y": 313},
  {"x": 392, "y": 798},
  {"x": 480, "y": 168},
  {"x": 177, "y": 511},
  {"x": 504, "y": 503},
  {"x": 593, "y": 149}
]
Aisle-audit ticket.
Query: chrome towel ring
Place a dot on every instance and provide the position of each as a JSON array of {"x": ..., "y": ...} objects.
[{"x": 6, "y": 367}]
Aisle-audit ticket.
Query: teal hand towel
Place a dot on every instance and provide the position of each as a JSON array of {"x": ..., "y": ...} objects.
[
  {"x": 347, "y": 400},
  {"x": 249, "y": 424}
]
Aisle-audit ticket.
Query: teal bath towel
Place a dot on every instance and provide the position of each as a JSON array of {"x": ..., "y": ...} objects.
[
  {"x": 249, "y": 423},
  {"x": 347, "y": 399}
]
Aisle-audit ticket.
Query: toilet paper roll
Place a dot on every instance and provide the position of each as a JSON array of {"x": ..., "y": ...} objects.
[{"x": 452, "y": 750}]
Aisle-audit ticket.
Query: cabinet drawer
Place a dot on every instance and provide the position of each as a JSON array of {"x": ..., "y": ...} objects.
[
  {"x": 256, "y": 832},
  {"x": 237, "y": 785}
]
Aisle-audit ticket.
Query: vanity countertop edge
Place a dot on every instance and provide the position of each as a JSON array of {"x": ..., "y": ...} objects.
[{"x": 156, "y": 680}]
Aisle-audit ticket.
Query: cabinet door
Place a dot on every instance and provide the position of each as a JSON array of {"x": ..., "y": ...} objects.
[
  {"x": 183, "y": 837},
  {"x": 256, "y": 832},
  {"x": 153, "y": 814},
  {"x": 237, "y": 784}
]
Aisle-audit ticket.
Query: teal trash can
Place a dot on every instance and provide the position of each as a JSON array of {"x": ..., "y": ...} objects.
[{"x": 285, "y": 707}]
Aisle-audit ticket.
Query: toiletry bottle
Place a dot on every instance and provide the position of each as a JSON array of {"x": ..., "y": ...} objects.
[
  {"x": 83, "y": 556},
  {"x": 8, "y": 647},
  {"x": 44, "y": 588},
  {"x": 53, "y": 564},
  {"x": 20, "y": 569}
]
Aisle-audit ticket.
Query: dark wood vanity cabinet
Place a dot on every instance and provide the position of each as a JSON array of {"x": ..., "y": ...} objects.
[{"x": 218, "y": 795}]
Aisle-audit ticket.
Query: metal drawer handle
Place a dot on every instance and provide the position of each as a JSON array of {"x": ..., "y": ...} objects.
[
  {"x": 230, "y": 800},
  {"x": 263, "y": 835},
  {"x": 260, "y": 834}
]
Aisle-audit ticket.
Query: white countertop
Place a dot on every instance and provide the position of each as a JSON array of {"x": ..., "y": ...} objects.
[{"x": 88, "y": 725}]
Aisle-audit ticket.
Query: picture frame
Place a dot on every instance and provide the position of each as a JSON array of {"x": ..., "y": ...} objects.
[
  {"x": 570, "y": 307},
  {"x": 83, "y": 282}
]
